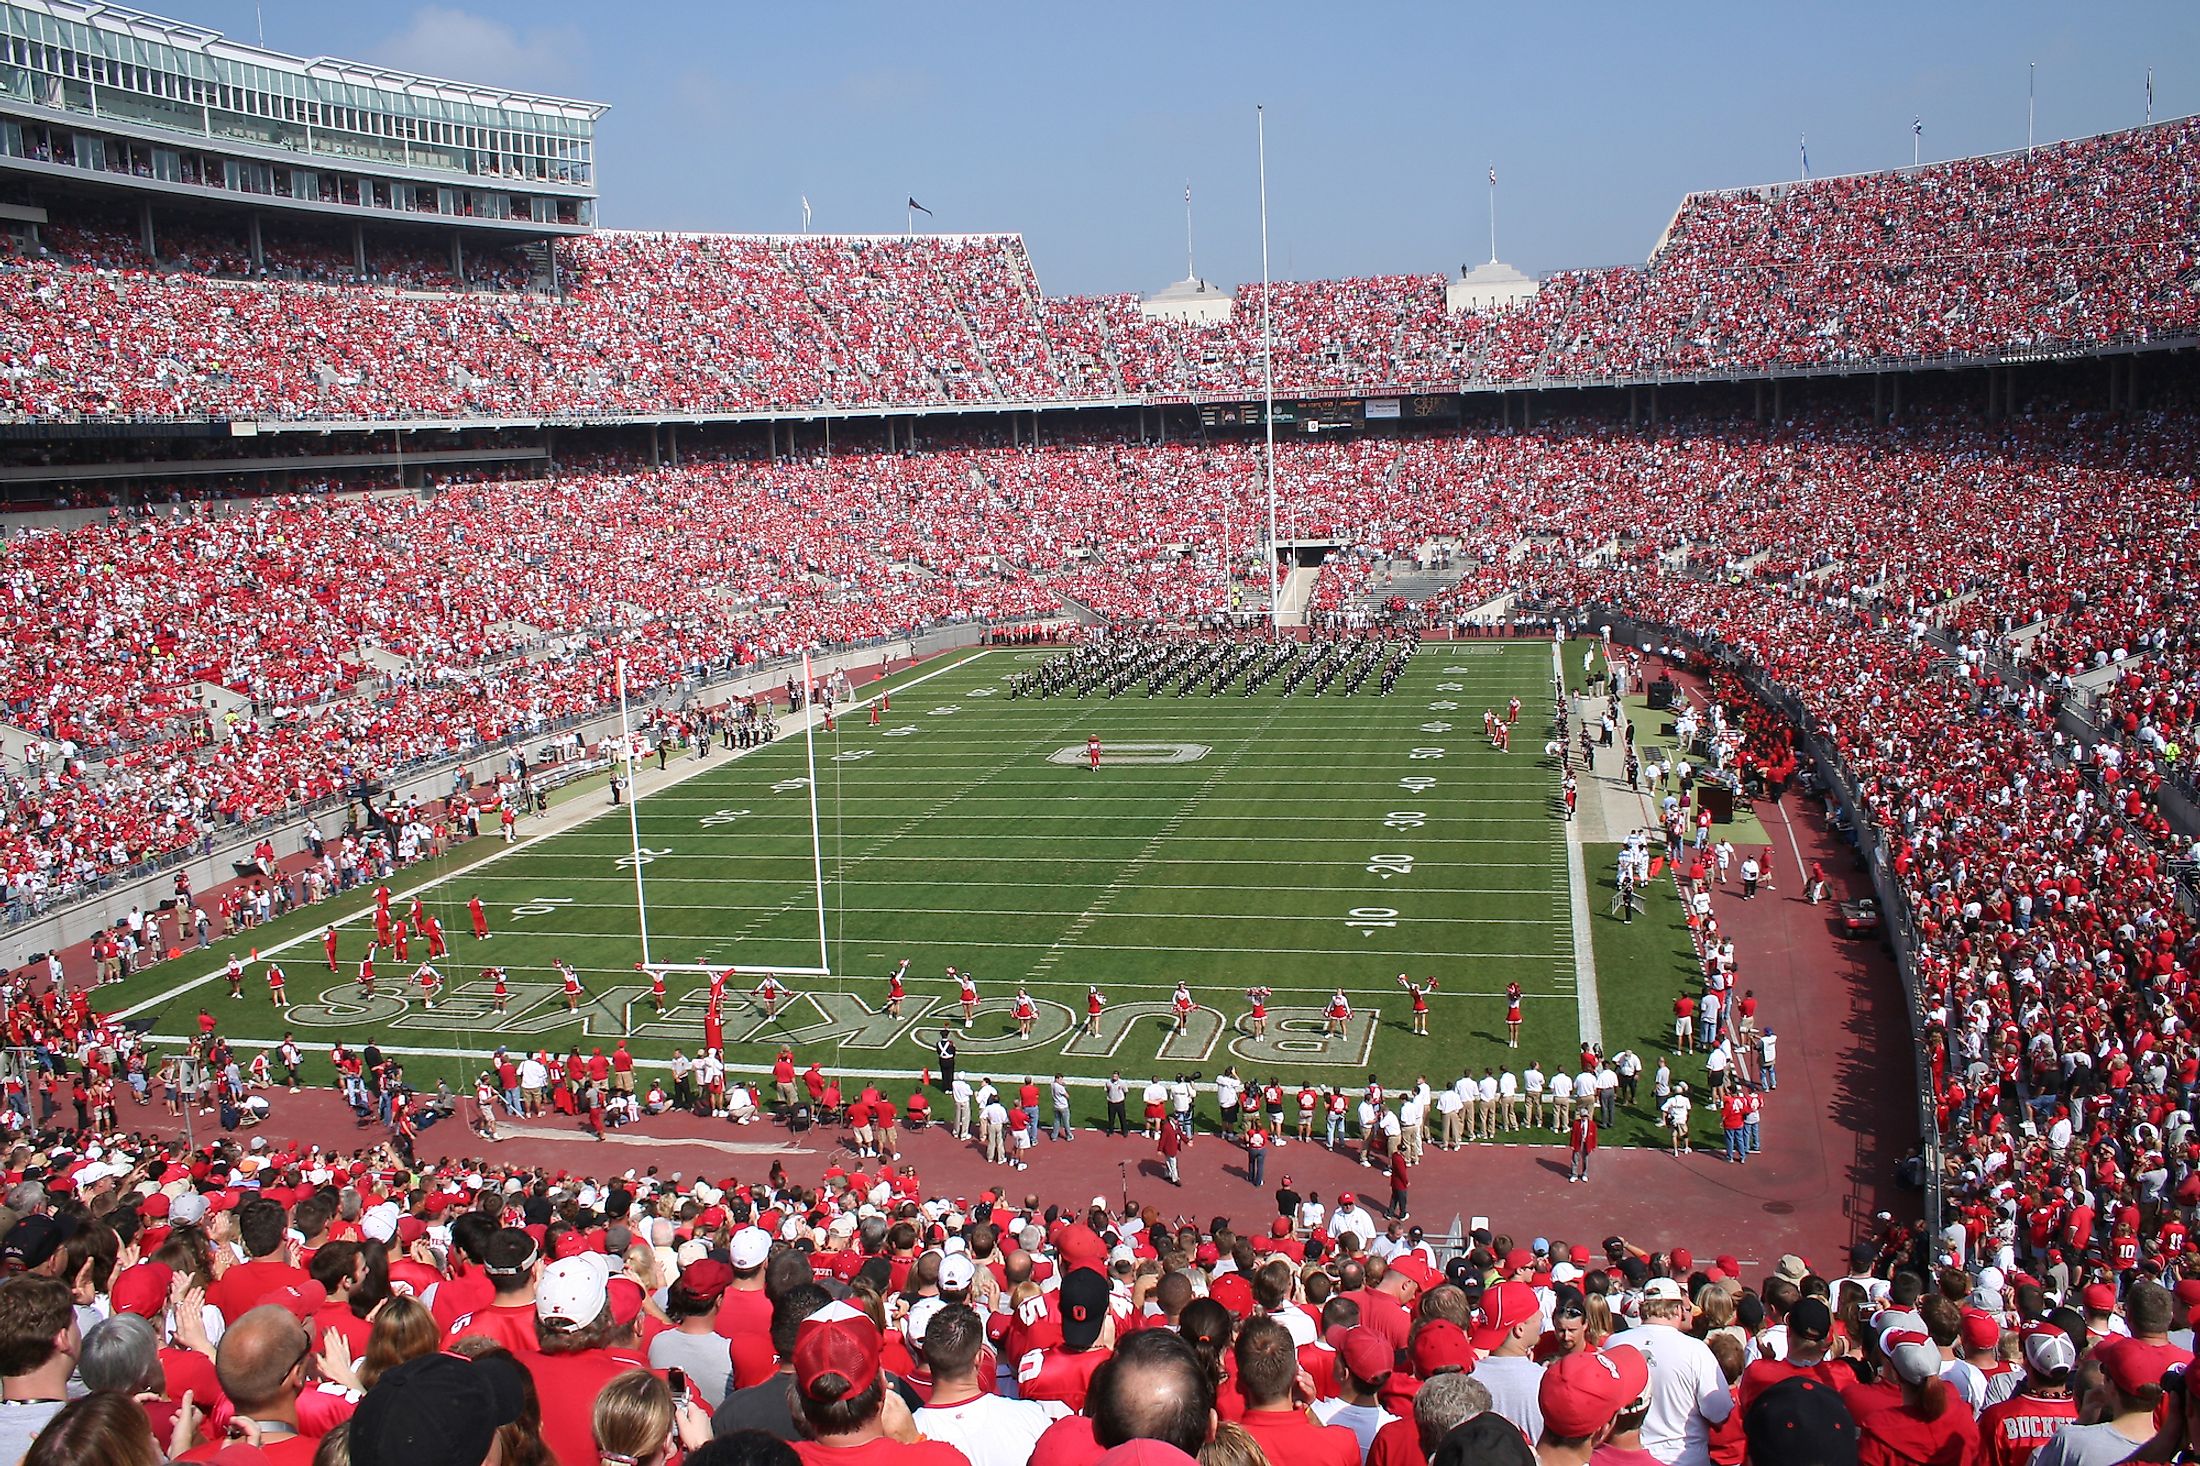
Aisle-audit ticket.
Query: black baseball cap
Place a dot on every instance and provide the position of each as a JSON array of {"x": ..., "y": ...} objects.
[
  {"x": 437, "y": 1410},
  {"x": 35, "y": 1239},
  {"x": 1084, "y": 1306},
  {"x": 1799, "y": 1422}
]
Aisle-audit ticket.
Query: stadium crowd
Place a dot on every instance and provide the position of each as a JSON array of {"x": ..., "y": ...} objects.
[
  {"x": 255, "y": 1299},
  {"x": 2058, "y": 247}
]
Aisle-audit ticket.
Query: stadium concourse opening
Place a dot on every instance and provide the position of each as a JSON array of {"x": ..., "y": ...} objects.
[{"x": 799, "y": 765}]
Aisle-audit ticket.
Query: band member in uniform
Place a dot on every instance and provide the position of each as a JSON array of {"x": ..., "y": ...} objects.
[
  {"x": 481, "y": 918},
  {"x": 328, "y": 945},
  {"x": 1092, "y": 751},
  {"x": 944, "y": 1050}
]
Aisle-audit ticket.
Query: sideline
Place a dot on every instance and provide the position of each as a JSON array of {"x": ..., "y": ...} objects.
[
  {"x": 571, "y": 816},
  {"x": 1585, "y": 962}
]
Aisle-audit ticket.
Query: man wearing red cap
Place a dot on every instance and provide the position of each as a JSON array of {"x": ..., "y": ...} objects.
[
  {"x": 1512, "y": 1321},
  {"x": 852, "y": 1417},
  {"x": 1580, "y": 1395},
  {"x": 693, "y": 1343},
  {"x": 1365, "y": 1360},
  {"x": 2132, "y": 1372}
]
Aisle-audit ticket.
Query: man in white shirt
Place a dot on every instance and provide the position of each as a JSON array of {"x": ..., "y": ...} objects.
[
  {"x": 1688, "y": 1392},
  {"x": 1351, "y": 1217},
  {"x": 1511, "y": 1322},
  {"x": 961, "y": 1092},
  {"x": 1364, "y": 1360},
  {"x": 990, "y": 1429}
]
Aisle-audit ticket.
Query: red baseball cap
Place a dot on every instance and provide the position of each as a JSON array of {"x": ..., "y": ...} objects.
[
  {"x": 1980, "y": 1330},
  {"x": 1683, "y": 1259},
  {"x": 2133, "y": 1364},
  {"x": 142, "y": 1290},
  {"x": 2099, "y": 1298},
  {"x": 1580, "y": 1393},
  {"x": 1439, "y": 1345},
  {"x": 1505, "y": 1307},
  {"x": 1520, "y": 1259},
  {"x": 836, "y": 1354},
  {"x": 300, "y": 1300},
  {"x": 1366, "y": 1353}
]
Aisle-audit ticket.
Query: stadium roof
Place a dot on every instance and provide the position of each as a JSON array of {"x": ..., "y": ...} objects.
[{"x": 219, "y": 51}]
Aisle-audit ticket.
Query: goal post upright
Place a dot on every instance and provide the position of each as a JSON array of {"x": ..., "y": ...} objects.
[
  {"x": 633, "y": 813},
  {"x": 817, "y": 848}
]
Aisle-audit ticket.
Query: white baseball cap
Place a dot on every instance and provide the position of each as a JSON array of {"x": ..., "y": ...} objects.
[
  {"x": 574, "y": 1290},
  {"x": 957, "y": 1271},
  {"x": 920, "y": 1318},
  {"x": 380, "y": 1222},
  {"x": 188, "y": 1209},
  {"x": 751, "y": 1245}
]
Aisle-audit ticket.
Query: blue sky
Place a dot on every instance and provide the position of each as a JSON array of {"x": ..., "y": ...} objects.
[{"x": 1081, "y": 125}]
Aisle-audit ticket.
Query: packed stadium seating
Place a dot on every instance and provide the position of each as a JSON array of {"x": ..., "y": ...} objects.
[{"x": 2066, "y": 246}]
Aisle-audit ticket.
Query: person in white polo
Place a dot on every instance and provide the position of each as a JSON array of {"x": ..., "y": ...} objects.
[{"x": 1688, "y": 1393}]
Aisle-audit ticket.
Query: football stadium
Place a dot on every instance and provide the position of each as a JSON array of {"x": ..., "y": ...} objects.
[{"x": 753, "y": 846}]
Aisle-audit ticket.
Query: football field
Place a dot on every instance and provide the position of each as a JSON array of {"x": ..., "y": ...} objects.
[{"x": 1297, "y": 842}]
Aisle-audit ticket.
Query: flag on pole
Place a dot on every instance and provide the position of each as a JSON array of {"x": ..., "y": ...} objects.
[
  {"x": 1493, "y": 175},
  {"x": 919, "y": 207},
  {"x": 1802, "y": 145},
  {"x": 1917, "y": 127},
  {"x": 805, "y": 213}
]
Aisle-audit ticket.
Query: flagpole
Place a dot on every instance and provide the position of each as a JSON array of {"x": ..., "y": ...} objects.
[
  {"x": 2150, "y": 96},
  {"x": 1268, "y": 381},
  {"x": 2031, "y": 88},
  {"x": 633, "y": 813},
  {"x": 817, "y": 849},
  {"x": 1917, "y": 141},
  {"x": 1493, "y": 213},
  {"x": 1190, "y": 272},
  {"x": 1802, "y": 149}
]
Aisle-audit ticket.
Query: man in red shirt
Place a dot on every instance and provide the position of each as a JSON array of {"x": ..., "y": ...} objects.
[
  {"x": 745, "y": 1309},
  {"x": 1088, "y": 1333},
  {"x": 261, "y": 1227},
  {"x": 1267, "y": 1366},
  {"x": 512, "y": 1263},
  {"x": 2012, "y": 1431},
  {"x": 842, "y": 1396},
  {"x": 574, "y": 1326},
  {"x": 263, "y": 1363}
]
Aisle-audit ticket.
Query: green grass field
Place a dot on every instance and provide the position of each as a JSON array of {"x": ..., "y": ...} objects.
[{"x": 1302, "y": 843}]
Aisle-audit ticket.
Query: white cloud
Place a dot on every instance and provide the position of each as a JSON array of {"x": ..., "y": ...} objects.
[{"x": 461, "y": 46}]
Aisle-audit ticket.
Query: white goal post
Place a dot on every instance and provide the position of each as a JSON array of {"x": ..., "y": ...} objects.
[{"x": 639, "y": 860}]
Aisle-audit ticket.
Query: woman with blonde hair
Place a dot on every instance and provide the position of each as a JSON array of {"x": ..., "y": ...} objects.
[
  {"x": 635, "y": 1422},
  {"x": 403, "y": 1329},
  {"x": 1232, "y": 1445}
]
